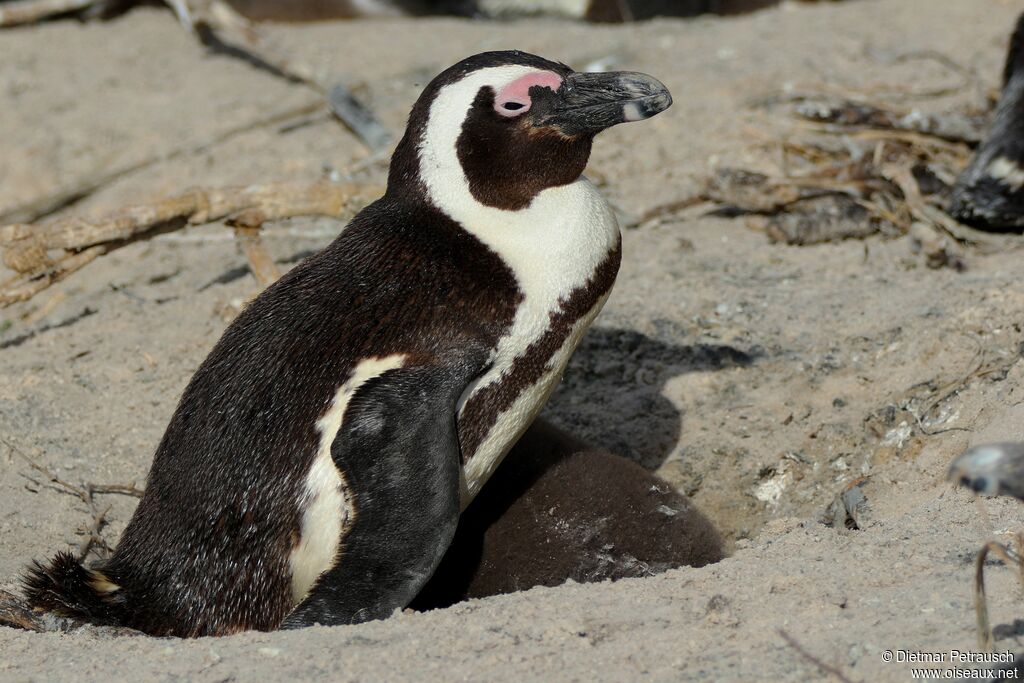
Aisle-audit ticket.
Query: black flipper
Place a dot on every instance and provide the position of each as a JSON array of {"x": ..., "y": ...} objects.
[{"x": 399, "y": 451}]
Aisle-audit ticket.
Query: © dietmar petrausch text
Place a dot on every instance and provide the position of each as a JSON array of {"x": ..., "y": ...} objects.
[{"x": 956, "y": 665}]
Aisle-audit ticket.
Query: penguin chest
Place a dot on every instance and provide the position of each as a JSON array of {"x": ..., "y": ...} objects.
[
  {"x": 496, "y": 415},
  {"x": 565, "y": 262}
]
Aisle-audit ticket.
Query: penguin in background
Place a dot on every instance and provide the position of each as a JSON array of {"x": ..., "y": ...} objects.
[
  {"x": 989, "y": 193},
  {"x": 324, "y": 10},
  {"x": 317, "y": 463},
  {"x": 618, "y": 11}
]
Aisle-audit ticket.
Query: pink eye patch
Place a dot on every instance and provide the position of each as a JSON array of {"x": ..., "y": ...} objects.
[{"x": 514, "y": 98}]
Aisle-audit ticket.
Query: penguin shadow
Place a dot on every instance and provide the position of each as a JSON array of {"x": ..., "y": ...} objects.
[
  {"x": 612, "y": 391},
  {"x": 559, "y": 509}
]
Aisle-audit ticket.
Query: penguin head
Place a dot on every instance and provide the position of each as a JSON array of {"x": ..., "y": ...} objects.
[{"x": 498, "y": 128}]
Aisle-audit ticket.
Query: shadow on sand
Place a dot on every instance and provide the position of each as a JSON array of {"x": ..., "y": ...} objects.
[{"x": 559, "y": 508}]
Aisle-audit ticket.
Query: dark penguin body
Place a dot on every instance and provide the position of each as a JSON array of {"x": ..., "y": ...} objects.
[
  {"x": 322, "y": 10},
  {"x": 316, "y": 465},
  {"x": 990, "y": 192},
  {"x": 995, "y": 469},
  {"x": 559, "y": 510},
  {"x": 615, "y": 11}
]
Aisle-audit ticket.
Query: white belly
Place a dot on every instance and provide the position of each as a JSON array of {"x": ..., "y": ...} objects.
[{"x": 553, "y": 247}]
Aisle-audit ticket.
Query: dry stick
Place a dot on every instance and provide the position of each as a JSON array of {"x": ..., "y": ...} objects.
[
  {"x": 263, "y": 266},
  {"x": 15, "y": 613},
  {"x": 985, "y": 636},
  {"x": 904, "y": 179},
  {"x": 118, "y": 489},
  {"x": 1020, "y": 556},
  {"x": 215, "y": 22},
  {"x": 671, "y": 208},
  {"x": 985, "y": 639},
  {"x": 913, "y": 137},
  {"x": 968, "y": 76},
  {"x": 986, "y": 519},
  {"x": 827, "y": 668},
  {"x": 19, "y": 288},
  {"x": 92, "y": 532},
  {"x": 951, "y": 387},
  {"x": 27, "y": 247},
  {"x": 93, "y": 536},
  {"x": 31, "y": 11},
  {"x": 44, "y": 206},
  {"x": 269, "y": 201}
]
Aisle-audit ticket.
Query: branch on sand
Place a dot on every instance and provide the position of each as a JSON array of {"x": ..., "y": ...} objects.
[
  {"x": 86, "y": 493},
  {"x": 42, "y": 255},
  {"x": 849, "y": 168},
  {"x": 16, "y": 613},
  {"x": 31, "y": 11},
  {"x": 64, "y": 197},
  {"x": 826, "y": 669},
  {"x": 220, "y": 27}
]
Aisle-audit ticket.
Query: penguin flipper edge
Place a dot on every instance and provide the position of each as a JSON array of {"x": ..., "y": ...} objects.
[{"x": 399, "y": 452}]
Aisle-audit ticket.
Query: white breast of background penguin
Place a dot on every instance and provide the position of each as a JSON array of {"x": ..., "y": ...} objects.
[{"x": 553, "y": 246}]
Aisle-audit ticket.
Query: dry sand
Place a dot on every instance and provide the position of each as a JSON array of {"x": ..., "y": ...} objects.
[{"x": 757, "y": 378}]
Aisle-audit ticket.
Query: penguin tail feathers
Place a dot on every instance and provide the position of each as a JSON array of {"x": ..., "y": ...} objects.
[{"x": 68, "y": 589}]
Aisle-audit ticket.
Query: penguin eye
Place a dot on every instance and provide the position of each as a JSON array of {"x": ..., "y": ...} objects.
[
  {"x": 513, "y": 99},
  {"x": 509, "y": 108}
]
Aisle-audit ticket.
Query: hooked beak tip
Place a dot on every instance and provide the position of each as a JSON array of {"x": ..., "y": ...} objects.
[
  {"x": 647, "y": 106},
  {"x": 592, "y": 102}
]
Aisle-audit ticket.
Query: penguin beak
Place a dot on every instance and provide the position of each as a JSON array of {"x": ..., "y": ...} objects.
[{"x": 587, "y": 103}]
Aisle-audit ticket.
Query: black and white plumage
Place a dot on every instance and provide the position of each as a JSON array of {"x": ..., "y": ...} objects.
[
  {"x": 316, "y": 465},
  {"x": 990, "y": 191},
  {"x": 995, "y": 469},
  {"x": 321, "y": 10},
  {"x": 613, "y": 11}
]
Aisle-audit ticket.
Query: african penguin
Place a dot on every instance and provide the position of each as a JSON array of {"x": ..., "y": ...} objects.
[
  {"x": 615, "y": 11},
  {"x": 558, "y": 510},
  {"x": 320, "y": 10},
  {"x": 990, "y": 191},
  {"x": 995, "y": 469},
  {"x": 316, "y": 465}
]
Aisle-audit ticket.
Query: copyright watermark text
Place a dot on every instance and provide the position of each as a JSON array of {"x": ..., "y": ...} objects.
[{"x": 945, "y": 664}]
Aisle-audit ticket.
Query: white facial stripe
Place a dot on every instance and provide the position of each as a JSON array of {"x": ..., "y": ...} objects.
[
  {"x": 552, "y": 246},
  {"x": 439, "y": 162},
  {"x": 326, "y": 507},
  {"x": 1006, "y": 171}
]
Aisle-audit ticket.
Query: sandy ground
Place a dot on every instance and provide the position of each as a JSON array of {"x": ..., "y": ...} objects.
[{"x": 759, "y": 379}]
